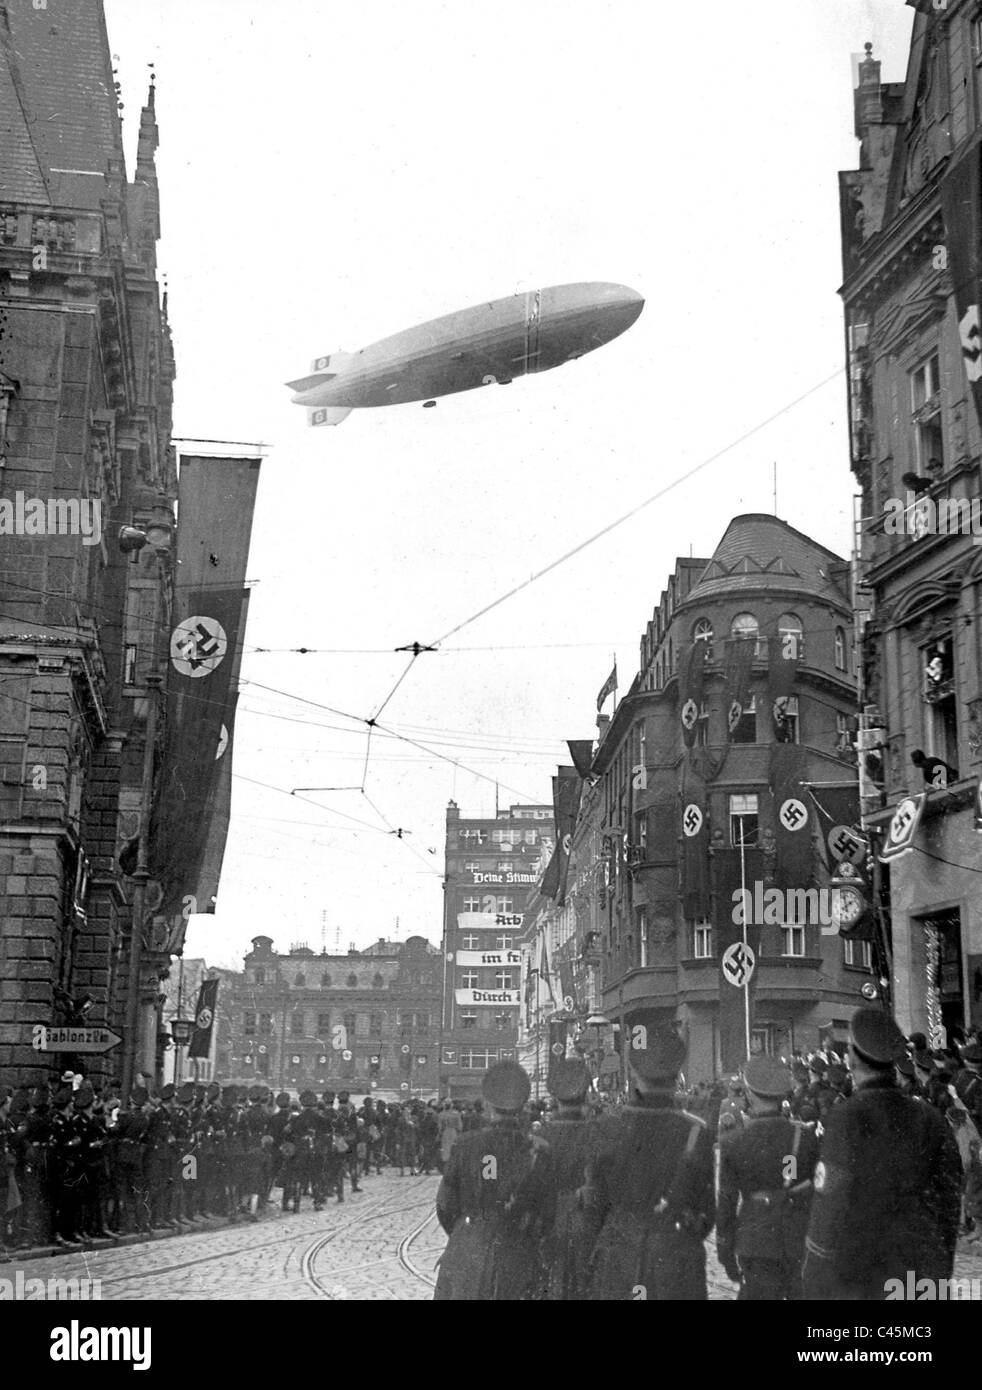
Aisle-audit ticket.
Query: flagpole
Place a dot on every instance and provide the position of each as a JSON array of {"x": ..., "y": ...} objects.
[{"x": 746, "y": 981}]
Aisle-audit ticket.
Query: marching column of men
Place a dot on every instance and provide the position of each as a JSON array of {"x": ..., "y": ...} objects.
[
  {"x": 77, "y": 1166},
  {"x": 620, "y": 1207}
]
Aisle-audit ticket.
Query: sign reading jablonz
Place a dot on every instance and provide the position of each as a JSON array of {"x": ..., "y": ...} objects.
[{"x": 73, "y": 1039}]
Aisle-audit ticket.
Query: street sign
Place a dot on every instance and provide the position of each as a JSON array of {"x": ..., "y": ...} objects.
[{"x": 81, "y": 1040}]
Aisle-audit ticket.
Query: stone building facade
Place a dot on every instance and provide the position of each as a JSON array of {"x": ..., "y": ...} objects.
[
  {"x": 366, "y": 1022},
  {"x": 912, "y": 243},
  {"x": 86, "y": 372}
]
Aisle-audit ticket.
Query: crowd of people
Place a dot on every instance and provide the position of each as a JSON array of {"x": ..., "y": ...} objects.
[
  {"x": 838, "y": 1177},
  {"x": 76, "y": 1164}
]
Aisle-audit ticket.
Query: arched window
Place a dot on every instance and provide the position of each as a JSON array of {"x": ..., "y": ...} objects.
[
  {"x": 703, "y": 632},
  {"x": 325, "y": 981},
  {"x": 301, "y": 981},
  {"x": 260, "y": 977},
  {"x": 352, "y": 981},
  {"x": 378, "y": 981},
  {"x": 840, "y": 649},
  {"x": 744, "y": 625}
]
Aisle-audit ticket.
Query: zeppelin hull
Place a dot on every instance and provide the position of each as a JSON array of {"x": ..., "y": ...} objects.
[{"x": 487, "y": 344}]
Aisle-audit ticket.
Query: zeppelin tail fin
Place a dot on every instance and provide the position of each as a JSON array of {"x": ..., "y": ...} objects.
[
  {"x": 328, "y": 414},
  {"x": 307, "y": 383}
]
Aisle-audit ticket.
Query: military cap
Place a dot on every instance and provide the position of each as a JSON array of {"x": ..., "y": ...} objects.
[
  {"x": 918, "y": 1042},
  {"x": 200, "y": 1093},
  {"x": 818, "y": 1065},
  {"x": 923, "y": 1059},
  {"x": 799, "y": 1071},
  {"x": 186, "y": 1094},
  {"x": 328, "y": 1096},
  {"x": 344, "y": 1096},
  {"x": 214, "y": 1091},
  {"x": 506, "y": 1086},
  {"x": 906, "y": 1067},
  {"x": 139, "y": 1096},
  {"x": 84, "y": 1096},
  {"x": 168, "y": 1092},
  {"x": 307, "y": 1099},
  {"x": 654, "y": 1048},
  {"x": 569, "y": 1079},
  {"x": 41, "y": 1097},
  {"x": 257, "y": 1094},
  {"x": 876, "y": 1038},
  {"x": 283, "y": 1098},
  {"x": 767, "y": 1077},
  {"x": 972, "y": 1054},
  {"x": 63, "y": 1097}
]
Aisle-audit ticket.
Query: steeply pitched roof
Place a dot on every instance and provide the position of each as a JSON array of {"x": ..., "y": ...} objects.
[
  {"x": 759, "y": 551},
  {"x": 55, "y": 62}
]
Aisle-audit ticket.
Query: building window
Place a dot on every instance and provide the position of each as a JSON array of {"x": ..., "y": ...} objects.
[
  {"x": 405, "y": 1023},
  {"x": 479, "y": 837},
  {"x": 792, "y": 939},
  {"x": 925, "y": 404},
  {"x": 703, "y": 632},
  {"x": 378, "y": 980},
  {"x": 940, "y": 709},
  {"x": 249, "y": 1024},
  {"x": 350, "y": 1026},
  {"x": 422, "y": 1023},
  {"x": 643, "y": 936},
  {"x": 641, "y": 834},
  {"x": 504, "y": 979},
  {"x": 323, "y": 1023},
  {"x": 786, "y": 719},
  {"x": 531, "y": 837},
  {"x": 472, "y": 866},
  {"x": 266, "y": 1024},
  {"x": 296, "y": 1025},
  {"x": 702, "y": 939},
  {"x": 260, "y": 977},
  {"x": 861, "y": 959},
  {"x": 478, "y": 1058},
  {"x": 468, "y": 979},
  {"x": 743, "y": 820},
  {"x": 504, "y": 866},
  {"x": 503, "y": 941},
  {"x": 472, "y": 904},
  {"x": 746, "y": 726},
  {"x": 504, "y": 905},
  {"x": 300, "y": 981},
  {"x": 744, "y": 626},
  {"x": 502, "y": 1022},
  {"x": 468, "y": 1018},
  {"x": 352, "y": 982},
  {"x": 470, "y": 941},
  {"x": 840, "y": 649},
  {"x": 375, "y": 1025}
]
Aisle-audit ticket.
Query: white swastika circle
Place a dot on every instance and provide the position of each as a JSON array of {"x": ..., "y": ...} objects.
[
  {"x": 197, "y": 646},
  {"x": 738, "y": 963},
  {"x": 692, "y": 820},
  {"x": 793, "y": 814},
  {"x": 846, "y": 844}
]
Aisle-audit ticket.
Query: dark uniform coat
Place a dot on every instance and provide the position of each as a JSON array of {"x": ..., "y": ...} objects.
[
  {"x": 568, "y": 1247},
  {"x": 495, "y": 1200},
  {"x": 762, "y": 1210},
  {"x": 887, "y": 1196},
  {"x": 653, "y": 1187}
]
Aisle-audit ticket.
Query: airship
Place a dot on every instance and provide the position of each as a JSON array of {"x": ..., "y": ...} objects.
[{"x": 489, "y": 344}]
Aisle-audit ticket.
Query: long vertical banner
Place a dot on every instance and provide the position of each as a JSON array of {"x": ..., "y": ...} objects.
[
  {"x": 961, "y": 190},
  {"x": 738, "y": 966},
  {"x": 216, "y": 501}
]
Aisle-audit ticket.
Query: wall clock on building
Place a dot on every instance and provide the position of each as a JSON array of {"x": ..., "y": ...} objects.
[{"x": 846, "y": 907}]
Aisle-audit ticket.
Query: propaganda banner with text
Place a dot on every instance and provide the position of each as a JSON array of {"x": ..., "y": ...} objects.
[
  {"x": 961, "y": 191},
  {"x": 216, "y": 500}
]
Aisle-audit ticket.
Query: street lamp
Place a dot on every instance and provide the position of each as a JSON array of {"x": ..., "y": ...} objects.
[{"x": 180, "y": 1030}]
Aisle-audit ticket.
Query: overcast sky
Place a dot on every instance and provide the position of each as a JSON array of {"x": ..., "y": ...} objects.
[{"x": 330, "y": 174}]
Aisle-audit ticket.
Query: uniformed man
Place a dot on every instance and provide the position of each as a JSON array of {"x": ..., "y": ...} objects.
[
  {"x": 284, "y": 1168},
  {"x": 65, "y": 1166},
  {"x": 496, "y": 1199},
  {"x": 765, "y": 1186},
  {"x": 568, "y": 1247},
  {"x": 652, "y": 1182},
  {"x": 888, "y": 1183},
  {"x": 968, "y": 1082}
]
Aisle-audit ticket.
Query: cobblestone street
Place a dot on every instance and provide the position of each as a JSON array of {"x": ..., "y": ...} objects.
[{"x": 383, "y": 1243}]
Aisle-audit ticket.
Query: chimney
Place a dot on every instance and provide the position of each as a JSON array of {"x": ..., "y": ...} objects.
[{"x": 869, "y": 103}]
